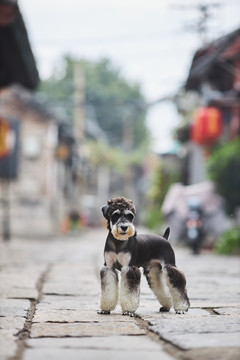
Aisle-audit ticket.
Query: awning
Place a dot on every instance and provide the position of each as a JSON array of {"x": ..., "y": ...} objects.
[
  {"x": 205, "y": 58},
  {"x": 17, "y": 63}
]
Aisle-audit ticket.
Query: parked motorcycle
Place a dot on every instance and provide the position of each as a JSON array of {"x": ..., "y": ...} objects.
[{"x": 194, "y": 226}]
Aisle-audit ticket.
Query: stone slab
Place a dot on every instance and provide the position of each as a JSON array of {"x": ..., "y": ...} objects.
[
  {"x": 152, "y": 314},
  {"x": 69, "y": 302},
  {"x": 14, "y": 307},
  {"x": 73, "y": 315},
  {"x": 122, "y": 343},
  {"x": 214, "y": 303},
  {"x": 69, "y": 289},
  {"x": 212, "y": 324},
  {"x": 84, "y": 329},
  {"x": 76, "y": 354},
  {"x": 84, "y": 275},
  {"x": 67, "y": 272},
  {"x": 18, "y": 293},
  {"x": 219, "y": 353},
  {"x": 197, "y": 341},
  {"x": 12, "y": 322},
  {"x": 8, "y": 344},
  {"x": 228, "y": 311},
  {"x": 22, "y": 277}
]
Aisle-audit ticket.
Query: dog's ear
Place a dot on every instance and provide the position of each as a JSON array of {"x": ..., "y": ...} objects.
[{"x": 105, "y": 210}]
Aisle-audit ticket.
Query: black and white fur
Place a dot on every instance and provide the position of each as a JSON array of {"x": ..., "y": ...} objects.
[{"x": 126, "y": 251}]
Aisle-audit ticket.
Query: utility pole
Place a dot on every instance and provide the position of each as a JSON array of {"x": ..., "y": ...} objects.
[
  {"x": 79, "y": 101},
  {"x": 204, "y": 9},
  {"x": 127, "y": 143},
  {"x": 78, "y": 127}
]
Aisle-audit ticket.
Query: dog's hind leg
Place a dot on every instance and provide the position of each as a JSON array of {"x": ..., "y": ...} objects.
[
  {"x": 157, "y": 283},
  {"x": 130, "y": 289},
  {"x": 176, "y": 282},
  {"x": 109, "y": 290}
]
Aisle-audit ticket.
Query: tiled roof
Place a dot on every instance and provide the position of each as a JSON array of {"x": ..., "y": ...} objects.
[{"x": 17, "y": 63}]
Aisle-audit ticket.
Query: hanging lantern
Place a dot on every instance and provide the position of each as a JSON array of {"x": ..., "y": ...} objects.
[
  {"x": 207, "y": 125},
  {"x": 4, "y": 134}
]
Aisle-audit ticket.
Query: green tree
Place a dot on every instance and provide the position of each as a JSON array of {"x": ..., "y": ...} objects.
[
  {"x": 224, "y": 170},
  {"x": 118, "y": 105}
]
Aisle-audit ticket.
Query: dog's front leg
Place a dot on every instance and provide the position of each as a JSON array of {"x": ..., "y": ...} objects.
[
  {"x": 130, "y": 289},
  {"x": 109, "y": 290}
]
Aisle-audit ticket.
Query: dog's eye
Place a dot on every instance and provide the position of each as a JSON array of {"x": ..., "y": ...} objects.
[
  {"x": 130, "y": 217},
  {"x": 115, "y": 218}
]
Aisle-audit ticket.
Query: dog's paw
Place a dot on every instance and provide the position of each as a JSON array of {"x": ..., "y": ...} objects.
[
  {"x": 181, "y": 311},
  {"x": 182, "y": 307},
  {"x": 164, "y": 309},
  {"x": 103, "y": 312},
  {"x": 130, "y": 313}
]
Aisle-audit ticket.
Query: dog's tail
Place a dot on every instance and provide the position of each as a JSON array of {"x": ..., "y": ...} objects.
[{"x": 166, "y": 233}]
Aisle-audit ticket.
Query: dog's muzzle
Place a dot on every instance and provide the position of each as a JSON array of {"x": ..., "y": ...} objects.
[{"x": 122, "y": 231}]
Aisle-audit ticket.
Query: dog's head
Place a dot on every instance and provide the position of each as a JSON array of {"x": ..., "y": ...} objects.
[{"x": 120, "y": 213}]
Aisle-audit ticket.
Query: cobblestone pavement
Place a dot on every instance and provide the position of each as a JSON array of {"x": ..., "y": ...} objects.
[{"x": 49, "y": 297}]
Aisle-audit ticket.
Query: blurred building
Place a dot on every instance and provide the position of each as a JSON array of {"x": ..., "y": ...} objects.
[
  {"x": 33, "y": 187},
  {"x": 215, "y": 76},
  {"x": 213, "y": 82},
  {"x": 26, "y": 168},
  {"x": 41, "y": 167}
]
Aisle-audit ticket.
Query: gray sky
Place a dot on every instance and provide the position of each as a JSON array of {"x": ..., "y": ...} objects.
[{"x": 151, "y": 41}]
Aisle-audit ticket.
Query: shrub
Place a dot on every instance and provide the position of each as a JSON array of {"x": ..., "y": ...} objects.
[
  {"x": 229, "y": 242},
  {"x": 224, "y": 170},
  {"x": 162, "y": 180}
]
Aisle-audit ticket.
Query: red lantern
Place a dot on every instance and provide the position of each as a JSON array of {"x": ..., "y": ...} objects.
[
  {"x": 4, "y": 132},
  {"x": 207, "y": 125}
]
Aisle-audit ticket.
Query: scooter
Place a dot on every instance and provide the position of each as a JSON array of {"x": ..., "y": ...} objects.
[{"x": 194, "y": 226}]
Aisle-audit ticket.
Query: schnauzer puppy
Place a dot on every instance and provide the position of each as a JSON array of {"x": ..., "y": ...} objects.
[{"x": 126, "y": 251}]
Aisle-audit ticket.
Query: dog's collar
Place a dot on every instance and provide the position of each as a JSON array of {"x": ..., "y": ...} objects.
[{"x": 119, "y": 242}]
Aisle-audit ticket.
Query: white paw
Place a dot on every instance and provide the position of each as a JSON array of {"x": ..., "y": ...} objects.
[
  {"x": 180, "y": 311},
  {"x": 130, "y": 313},
  {"x": 103, "y": 312}
]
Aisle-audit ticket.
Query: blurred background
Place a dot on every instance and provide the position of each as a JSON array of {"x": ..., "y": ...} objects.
[{"x": 121, "y": 98}]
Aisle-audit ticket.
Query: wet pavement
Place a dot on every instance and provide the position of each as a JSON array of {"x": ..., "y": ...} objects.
[{"x": 49, "y": 297}]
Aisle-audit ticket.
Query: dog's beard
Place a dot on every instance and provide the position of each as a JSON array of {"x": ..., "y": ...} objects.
[{"x": 118, "y": 232}]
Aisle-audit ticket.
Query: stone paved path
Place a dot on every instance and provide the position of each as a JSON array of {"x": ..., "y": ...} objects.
[{"x": 49, "y": 296}]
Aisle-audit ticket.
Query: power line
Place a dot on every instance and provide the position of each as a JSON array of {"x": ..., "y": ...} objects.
[{"x": 119, "y": 38}]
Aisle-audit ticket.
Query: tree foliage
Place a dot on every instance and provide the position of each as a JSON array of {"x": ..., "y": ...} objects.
[
  {"x": 101, "y": 153},
  {"x": 224, "y": 170},
  {"x": 229, "y": 242},
  {"x": 162, "y": 180},
  {"x": 117, "y": 104}
]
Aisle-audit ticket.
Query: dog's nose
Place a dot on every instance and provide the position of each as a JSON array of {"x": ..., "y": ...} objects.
[{"x": 124, "y": 228}]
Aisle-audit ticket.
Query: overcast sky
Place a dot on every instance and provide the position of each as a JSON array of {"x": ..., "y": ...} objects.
[{"x": 151, "y": 41}]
